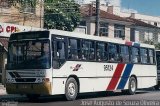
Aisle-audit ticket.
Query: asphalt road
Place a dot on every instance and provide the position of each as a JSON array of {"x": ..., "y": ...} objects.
[{"x": 141, "y": 98}]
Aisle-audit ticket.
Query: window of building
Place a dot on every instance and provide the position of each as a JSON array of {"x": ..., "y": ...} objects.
[
  {"x": 113, "y": 53},
  {"x": 103, "y": 29},
  {"x": 74, "y": 49},
  {"x": 141, "y": 35},
  {"x": 29, "y": 6},
  {"x": 119, "y": 31},
  {"x": 135, "y": 55},
  {"x": 102, "y": 54},
  {"x": 144, "y": 55},
  {"x": 151, "y": 56},
  {"x": 124, "y": 54},
  {"x": 88, "y": 50},
  {"x": 155, "y": 23},
  {"x": 4, "y": 4}
]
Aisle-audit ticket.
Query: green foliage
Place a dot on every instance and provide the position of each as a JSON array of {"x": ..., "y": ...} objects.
[
  {"x": 61, "y": 14},
  {"x": 149, "y": 42},
  {"x": 157, "y": 46}
]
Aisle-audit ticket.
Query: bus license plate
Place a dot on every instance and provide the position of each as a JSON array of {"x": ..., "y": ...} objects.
[{"x": 24, "y": 86}]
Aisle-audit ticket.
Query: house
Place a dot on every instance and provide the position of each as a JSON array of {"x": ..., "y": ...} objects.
[
  {"x": 111, "y": 25},
  {"x": 114, "y": 26},
  {"x": 143, "y": 32}
]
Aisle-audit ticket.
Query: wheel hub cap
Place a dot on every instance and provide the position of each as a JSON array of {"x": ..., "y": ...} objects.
[{"x": 71, "y": 89}]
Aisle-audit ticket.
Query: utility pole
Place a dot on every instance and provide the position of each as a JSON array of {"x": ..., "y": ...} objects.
[{"x": 97, "y": 17}]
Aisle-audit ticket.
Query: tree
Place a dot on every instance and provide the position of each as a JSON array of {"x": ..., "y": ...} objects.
[
  {"x": 149, "y": 42},
  {"x": 157, "y": 45},
  {"x": 61, "y": 14}
]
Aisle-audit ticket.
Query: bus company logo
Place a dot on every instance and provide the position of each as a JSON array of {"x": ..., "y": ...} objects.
[{"x": 76, "y": 68}]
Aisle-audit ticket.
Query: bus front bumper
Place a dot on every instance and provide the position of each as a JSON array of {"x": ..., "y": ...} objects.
[{"x": 41, "y": 88}]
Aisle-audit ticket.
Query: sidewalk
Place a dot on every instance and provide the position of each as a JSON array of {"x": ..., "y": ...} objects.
[{"x": 4, "y": 95}]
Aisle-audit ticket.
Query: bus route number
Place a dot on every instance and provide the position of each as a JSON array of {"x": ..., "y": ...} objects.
[{"x": 108, "y": 67}]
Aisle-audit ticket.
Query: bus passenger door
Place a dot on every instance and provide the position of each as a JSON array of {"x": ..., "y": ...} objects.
[
  {"x": 58, "y": 52},
  {"x": 58, "y": 60}
]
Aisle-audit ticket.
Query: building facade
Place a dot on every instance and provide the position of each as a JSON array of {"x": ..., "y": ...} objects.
[
  {"x": 116, "y": 24},
  {"x": 27, "y": 16}
]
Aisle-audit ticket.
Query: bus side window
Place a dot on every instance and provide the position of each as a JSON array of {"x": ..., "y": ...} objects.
[
  {"x": 124, "y": 54},
  {"x": 85, "y": 50},
  {"x": 88, "y": 50},
  {"x": 151, "y": 56},
  {"x": 92, "y": 50},
  {"x": 113, "y": 52},
  {"x": 144, "y": 55},
  {"x": 135, "y": 56},
  {"x": 74, "y": 49},
  {"x": 101, "y": 51}
]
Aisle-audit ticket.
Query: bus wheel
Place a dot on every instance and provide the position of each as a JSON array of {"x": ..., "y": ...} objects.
[
  {"x": 71, "y": 89},
  {"x": 132, "y": 86},
  {"x": 33, "y": 97}
]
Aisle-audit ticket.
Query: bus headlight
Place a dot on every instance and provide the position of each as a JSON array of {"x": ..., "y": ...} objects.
[
  {"x": 45, "y": 80},
  {"x": 39, "y": 80},
  {"x": 10, "y": 80},
  {"x": 41, "y": 73}
]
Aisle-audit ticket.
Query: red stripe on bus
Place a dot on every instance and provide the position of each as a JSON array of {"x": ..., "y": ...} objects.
[{"x": 116, "y": 77}]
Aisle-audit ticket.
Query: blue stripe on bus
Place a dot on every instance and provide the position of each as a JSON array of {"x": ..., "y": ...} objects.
[{"x": 125, "y": 76}]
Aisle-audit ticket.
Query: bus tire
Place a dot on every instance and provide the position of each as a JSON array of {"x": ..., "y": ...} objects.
[
  {"x": 132, "y": 86},
  {"x": 71, "y": 89}
]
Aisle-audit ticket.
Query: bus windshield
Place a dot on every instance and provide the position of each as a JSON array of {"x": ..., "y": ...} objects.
[{"x": 29, "y": 54}]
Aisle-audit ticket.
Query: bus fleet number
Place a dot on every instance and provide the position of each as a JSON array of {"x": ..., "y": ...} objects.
[{"x": 108, "y": 67}]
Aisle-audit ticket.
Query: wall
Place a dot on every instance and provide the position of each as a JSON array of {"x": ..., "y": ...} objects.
[
  {"x": 149, "y": 34},
  {"x": 12, "y": 15},
  {"x": 6, "y": 29}
]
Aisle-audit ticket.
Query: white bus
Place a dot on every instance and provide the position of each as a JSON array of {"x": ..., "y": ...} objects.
[{"x": 59, "y": 62}]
